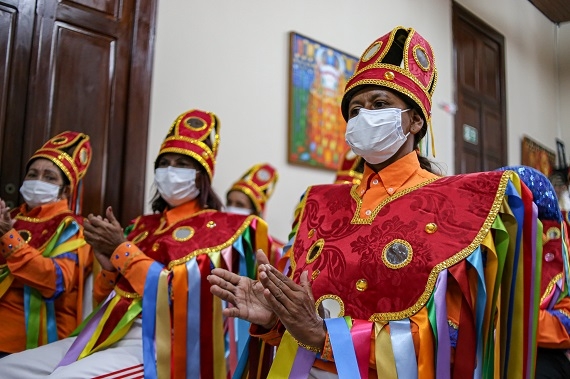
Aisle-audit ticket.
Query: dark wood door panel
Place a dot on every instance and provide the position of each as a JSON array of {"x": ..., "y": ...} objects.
[
  {"x": 108, "y": 7},
  {"x": 480, "y": 121},
  {"x": 83, "y": 80},
  {"x": 17, "y": 18},
  {"x": 81, "y": 65}
]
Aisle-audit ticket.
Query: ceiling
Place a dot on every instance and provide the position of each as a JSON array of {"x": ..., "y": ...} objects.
[{"x": 557, "y": 11}]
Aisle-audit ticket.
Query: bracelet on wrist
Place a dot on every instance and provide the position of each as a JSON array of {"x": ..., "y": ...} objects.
[{"x": 314, "y": 349}]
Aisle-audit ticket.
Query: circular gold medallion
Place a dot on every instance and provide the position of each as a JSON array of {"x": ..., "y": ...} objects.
[
  {"x": 183, "y": 233},
  {"x": 397, "y": 254}
]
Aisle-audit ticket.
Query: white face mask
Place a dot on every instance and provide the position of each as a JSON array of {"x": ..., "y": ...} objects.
[
  {"x": 38, "y": 192},
  {"x": 176, "y": 185},
  {"x": 376, "y": 135},
  {"x": 239, "y": 211}
]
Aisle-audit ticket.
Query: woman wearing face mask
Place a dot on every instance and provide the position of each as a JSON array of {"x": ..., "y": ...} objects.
[
  {"x": 421, "y": 275},
  {"x": 44, "y": 257},
  {"x": 156, "y": 301},
  {"x": 249, "y": 195}
]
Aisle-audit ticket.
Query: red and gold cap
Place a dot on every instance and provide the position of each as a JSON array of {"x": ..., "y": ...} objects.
[
  {"x": 401, "y": 60},
  {"x": 258, "y": 183},
  {"x": 71, "y": 152},
  {"x": 194, "y": 133},
  {"x": 350, "y": 169}
]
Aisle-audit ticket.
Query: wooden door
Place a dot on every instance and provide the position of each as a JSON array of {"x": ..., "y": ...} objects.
[
  {"x": 480, "y": 121},
  {"x": 89, "y": 70}
]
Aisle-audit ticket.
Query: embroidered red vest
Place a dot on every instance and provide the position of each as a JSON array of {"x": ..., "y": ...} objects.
[
  {"x": 385, "y": 267},
  {"x": 200, "y": 233},
  {"x": 552, "y": 258}
]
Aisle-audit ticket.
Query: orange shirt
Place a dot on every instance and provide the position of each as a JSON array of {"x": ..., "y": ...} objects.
[
  {"x": 30, "y": 268},
  {"x": 135, "y": 268}
]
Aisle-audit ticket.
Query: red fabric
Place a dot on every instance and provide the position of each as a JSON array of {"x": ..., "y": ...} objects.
[{"x": 458, "y": 205}]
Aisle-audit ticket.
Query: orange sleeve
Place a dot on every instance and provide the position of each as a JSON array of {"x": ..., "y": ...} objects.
[
  {"x": 47, "y": 275},
  {"x": 551, "y": 333},
  {"x": 132, "y": 264},
  {"x": 104, "y": 284}
]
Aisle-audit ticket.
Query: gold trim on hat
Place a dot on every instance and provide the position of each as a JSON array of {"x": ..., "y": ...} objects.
[
  {"x": 249, "y": 193},
  {"x": 414, "y": 53},
  {"x": 370, "y": 53}
]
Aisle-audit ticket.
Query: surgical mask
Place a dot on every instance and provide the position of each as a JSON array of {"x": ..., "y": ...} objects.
[
  {"x": 38, "y": 192},
  {"x": 239, "y": 211},
  {"x": 176, "y": 185},
  {"x": 376, "y": 135}
]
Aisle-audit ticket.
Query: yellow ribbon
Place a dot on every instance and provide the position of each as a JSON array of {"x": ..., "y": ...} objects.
[
  {"x": 282, "y": 364},
  {"x": 218, "y": 339},
  {"x": 384, "y": 355},
  {"x": 163, "y": 328}
]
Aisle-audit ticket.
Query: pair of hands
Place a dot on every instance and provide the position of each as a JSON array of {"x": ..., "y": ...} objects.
[
  {"x": 104, "y": 234},
  {"x": 6, "y": 222},
  {"x": 274, "y": 296}
]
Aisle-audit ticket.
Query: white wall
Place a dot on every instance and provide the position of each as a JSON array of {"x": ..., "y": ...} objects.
[
  {"x": 564, "y": 76},
  {"x": 232, "y": 58}
]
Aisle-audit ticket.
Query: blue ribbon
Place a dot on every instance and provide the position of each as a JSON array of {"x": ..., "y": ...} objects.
[
  {"x": 149, "y": 319},
  {"x": 193, "y": 320},
  {"x": 476, "y": 260},
  {"x": 517, "y": 207},
  {"x": 403, "y": 347},
  {"x": 241, "y": 326},
  {"x": 343, "y": 348}
]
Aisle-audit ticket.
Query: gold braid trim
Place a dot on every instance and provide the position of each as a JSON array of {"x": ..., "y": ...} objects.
[
  {"x": 127, "y": 295},
  {"x": 368, "y": 220},
  {"x": 422, "y": 301},
  {"x": 222, "y": 246},
  {"x": 550, "y": 287}
]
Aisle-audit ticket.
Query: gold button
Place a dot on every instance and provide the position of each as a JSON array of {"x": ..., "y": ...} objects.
[
  {"x": 389, "y": 75},
  {"x": 155, "y": 246},
  {"x": 211, "y": 224},
  {"x": 431, "y": 228},
  {"x": 311, "y": 233},
  {"x": 361, "y": 285}
]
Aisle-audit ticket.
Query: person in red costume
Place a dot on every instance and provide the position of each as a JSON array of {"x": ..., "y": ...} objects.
[
  {"x": 422, "y": 276},
  {"x": 44, "y": 258},
  {"x": 249, "y": 195},
  {"x": 155, "y": 306}
]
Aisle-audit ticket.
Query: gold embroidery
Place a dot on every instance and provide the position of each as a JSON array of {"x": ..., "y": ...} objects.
[
  {"x": 315, "y": 274},
  {"x": 127, "y": 295},
  {"x": 485, "y": 228},
  {"x": 219, "y": 247},
  {"x": 315, "y": 250},
  {"x": 550, "y": 286},
  {"x": 367, "y": 221},
  {"x": 140, "y": 237},
  {"x": 452, "y": 324}
]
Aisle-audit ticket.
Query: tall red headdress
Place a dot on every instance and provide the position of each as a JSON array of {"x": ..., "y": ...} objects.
[
  {"x": 71, "y": 152},
  {"x": 194, "y": 133},
  {"x": 258, "y": 183},
  {"x": 401, "y": 60}
]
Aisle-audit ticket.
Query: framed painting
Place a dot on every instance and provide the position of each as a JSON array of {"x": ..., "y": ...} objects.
[
  {"x": 537, "y": 156},
  {"x": 317, "y": 77}
]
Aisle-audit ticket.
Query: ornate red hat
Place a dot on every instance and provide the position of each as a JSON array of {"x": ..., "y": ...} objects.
[
  {"x": 71, "y": 152},
  {"x": 195, "y": 133},
  {"x": 401, "y": 60},
  {"x": 350, "y": 169},
  {"x": 258, "y": 183}
]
